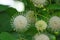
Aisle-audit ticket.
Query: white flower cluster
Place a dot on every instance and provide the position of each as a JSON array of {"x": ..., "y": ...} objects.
[
  {"x": 54, "y": 23},
  {"x": 41, "y": 37},
  {"x": 38, "y": 3},
  {"x": 30, "y": 15},
  {"x": 19, "y": 6},
  {"x": 20, "y": 23},
  {"x": 41, "y": 25}
]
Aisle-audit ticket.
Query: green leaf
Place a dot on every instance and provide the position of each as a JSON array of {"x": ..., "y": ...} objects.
[
  {"x": 53, "y": 7},
  {"x": 3, "y": 8},
  {"x": 5, "y": 20},
  {"x": 52, "y": 37},
  {"x": 6, "y": 36}
]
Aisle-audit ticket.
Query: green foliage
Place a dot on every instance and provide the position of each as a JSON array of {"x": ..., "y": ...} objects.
[
  {"x": 53, "y": 7},
  {"x": 6, "y": 36},
  {"x": 3, "y": 8},
  {"x": 7, "y": 33}
]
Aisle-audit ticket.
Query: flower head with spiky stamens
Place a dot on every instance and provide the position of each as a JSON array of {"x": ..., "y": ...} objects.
[
  {"x": 41, "y": 37},
  {"x": 41, "y": 25},
  {"x": 39, "y": 3},
  {"x": 30, "y": 15},
  {"x": 54, "y": 23},
  {"x": 23, "y": 21},
  {"x": 20, "y": 23}
]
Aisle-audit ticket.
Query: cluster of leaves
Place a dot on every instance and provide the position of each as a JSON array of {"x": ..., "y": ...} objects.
[{"x": 6, "y": 32}]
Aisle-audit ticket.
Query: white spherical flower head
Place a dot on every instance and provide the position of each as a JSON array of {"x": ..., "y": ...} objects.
[
  {"x": 38, "y": 3},
  {"x": 30, "y": 15},
  {"x": 41, "y": 25},
  {"x": 54, "y": 23},
  {"x": 41, "y": 37},
  {"x": 20, "y": 23}
]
